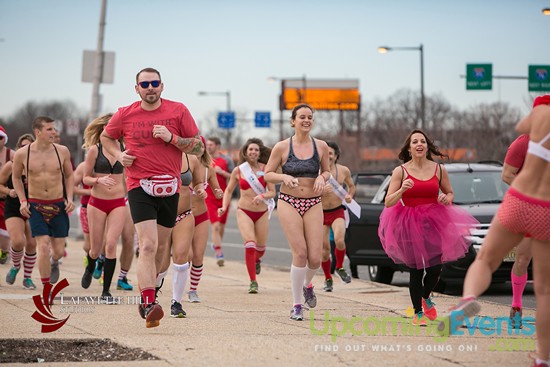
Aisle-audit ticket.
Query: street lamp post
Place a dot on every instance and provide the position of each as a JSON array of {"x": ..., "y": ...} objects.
[
  {"x": 385, "y": 49},
  {"x": 227, "y": 95}
]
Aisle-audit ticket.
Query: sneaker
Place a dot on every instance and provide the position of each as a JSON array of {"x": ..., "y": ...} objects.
[
  {"x": 193, "y": 297},
  {"x": 297, "y": 313},
  {"x": 10, "y": 277},
  {"x": 176, "y": 310},
  {"x": 465, "y": 308},
  {"x": 420, "y": 319},
  {"x": 328, "y": 285},
  {"x": 4, "y": 257},
  {"x": 108, "y": 298},
  {"x": 85, "y": 261},
  {"x": 98, "y": 268},
  {"x": 515, "y": 316},
  {"x": 123, "y": 284},
  {"x": 153, "y": 313},
  {"x": 28, "y": 284},
  {"x": 253, "y": 289},
  {"x": 258, "y": 267},
  {"x": 219, "y": 255},
  {"x": 344, "y": 275},
  {"x": 86, "y": 279},
  {"x": 310, "y": 298},
  {"x": 428, "y": 306},
  {"x": 54, "y": 274},
  {"x": 101, "y": 280}
]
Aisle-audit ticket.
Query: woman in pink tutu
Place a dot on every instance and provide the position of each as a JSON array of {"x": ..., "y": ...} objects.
[{"x": 419, "y": 227}]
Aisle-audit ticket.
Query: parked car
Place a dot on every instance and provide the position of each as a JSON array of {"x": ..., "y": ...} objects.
[{"x": 477, "y": 187}]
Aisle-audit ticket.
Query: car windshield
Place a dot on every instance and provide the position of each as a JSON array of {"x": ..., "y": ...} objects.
[{"x": 477, "y": 187}]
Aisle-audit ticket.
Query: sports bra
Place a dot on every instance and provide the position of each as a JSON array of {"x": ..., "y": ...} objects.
[
  {"x": 186, "y": 177},
  {"x": 244, "y": 185},
  {"x": 296, "y": 167},
  {"x": 539, "y": 150},
  {"x": 102, "y": 164}
]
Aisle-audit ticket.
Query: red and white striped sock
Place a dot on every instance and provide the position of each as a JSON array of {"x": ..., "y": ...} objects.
[
  {"x": 16, "y": 257},
  {"x": 122, "y": 274},
  {"x": 28, "y": 264},
  {"x": 196, "y": 274}
]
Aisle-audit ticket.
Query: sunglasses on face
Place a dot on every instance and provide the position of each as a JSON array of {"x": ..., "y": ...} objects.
[{"x": 154, "y": 84}]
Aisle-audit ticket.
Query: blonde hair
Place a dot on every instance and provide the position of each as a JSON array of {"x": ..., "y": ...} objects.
[
  {"x": 28, "y": 137},
  {"x": 94, "y": 129},
  {"x": 206, "y": 159}
]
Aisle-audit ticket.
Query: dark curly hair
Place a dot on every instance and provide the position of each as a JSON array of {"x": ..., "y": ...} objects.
[
  {"x": 265, "y": 152},
  {"x": 405, "y": 155}
]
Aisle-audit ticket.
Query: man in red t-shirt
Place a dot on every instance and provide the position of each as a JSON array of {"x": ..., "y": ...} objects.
[
  {"x": 513, "y": 162},
  {"x": 223, "y": 166},
  {"x": 156, "y": 131}
]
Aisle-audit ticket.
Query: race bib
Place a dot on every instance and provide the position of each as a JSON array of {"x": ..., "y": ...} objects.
[{"x": 159, "y": 186}]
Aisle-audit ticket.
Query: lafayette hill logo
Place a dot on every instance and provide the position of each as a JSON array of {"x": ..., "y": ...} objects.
[{"x": 43, "y": 302}]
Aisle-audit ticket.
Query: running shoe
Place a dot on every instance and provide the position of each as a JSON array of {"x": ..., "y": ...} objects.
[
  {"x": 297, "y": 313},
  {"x": 54, "y": 275},
  {"x": 28, "y": 284},
  {"x": 85, "y": 261},
  {"x": 346, "y": 278},
  {"x": 123, "y": 284},
  {"x": 465, "y": 308},
  {"x": 108, "y": 298},
  {"x": 428, "y": 306},
  {"x": 193, "y": 297},
  {"x": 86, "y": 279},
  {"x": 420, "y": 319},
  {"x": 258, "y": 266},
  {"x": 10, "y": 277},
  {"x": 98, "y": 268},
  {"x": 4, "y": 257},
  {"x": 515, "y": 316},
  {"x": 176, "y": 310},
  {"x": 153, "y": 314},
  {"x": 328, "y": 285},
  {"x": 310, "y": 298},
  {"x": 253, "y": 289}
]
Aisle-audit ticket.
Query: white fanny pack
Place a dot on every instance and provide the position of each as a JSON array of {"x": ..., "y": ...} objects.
[{"x": 159, "y": 186}]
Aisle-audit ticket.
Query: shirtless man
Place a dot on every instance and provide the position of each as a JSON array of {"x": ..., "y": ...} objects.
[
  {"x": 6, "y": 155},
  {"x": 49, "y": 173},
  {"x": 334, "y": 217}
]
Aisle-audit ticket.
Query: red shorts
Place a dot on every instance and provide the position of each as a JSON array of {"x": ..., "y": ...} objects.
[
  {"x": 329, "y": 216},
  {"x": 522, "y": 214},
  {"x": 213, "y": 205},
  {"x": 84, "y": 219}
]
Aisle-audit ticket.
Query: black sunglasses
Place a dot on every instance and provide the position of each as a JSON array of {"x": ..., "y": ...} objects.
[{"x": 154, "y": 84}]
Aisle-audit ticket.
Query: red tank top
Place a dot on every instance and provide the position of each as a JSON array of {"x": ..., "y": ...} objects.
[{"x": 423, "y": 192}]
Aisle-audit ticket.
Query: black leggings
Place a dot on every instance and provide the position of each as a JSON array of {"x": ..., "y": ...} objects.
[{"x": 419, "y": 289}]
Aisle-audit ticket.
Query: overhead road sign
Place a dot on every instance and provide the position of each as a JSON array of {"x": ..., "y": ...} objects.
[
  {"x": 321, "y": 94},
  {"x": 226, "y": 120},
  {"x": 479, "y": 76},
  {"x": 539, "y": 78},
  {"x": 262, "y": 119}
]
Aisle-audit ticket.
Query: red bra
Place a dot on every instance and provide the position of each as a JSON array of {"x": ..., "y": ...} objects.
[{"x": 245, "y": 186}]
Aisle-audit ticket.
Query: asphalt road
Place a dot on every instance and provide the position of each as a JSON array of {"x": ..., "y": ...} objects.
[{"x": 278, "y": 254}]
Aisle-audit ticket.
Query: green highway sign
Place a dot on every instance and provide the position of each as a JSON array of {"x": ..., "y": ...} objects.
[
  {"x": 539, "y": 78},
  {"x": 479, "y": 76}
]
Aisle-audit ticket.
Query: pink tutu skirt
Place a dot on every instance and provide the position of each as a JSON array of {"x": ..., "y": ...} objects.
[{"x": 425, "y": 235}]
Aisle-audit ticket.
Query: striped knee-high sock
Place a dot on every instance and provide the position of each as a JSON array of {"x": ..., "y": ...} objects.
[
  {"x": 28, "y": 264},
  {"x": 16, "y": 257},
  {"x": 196, "y": 274}
]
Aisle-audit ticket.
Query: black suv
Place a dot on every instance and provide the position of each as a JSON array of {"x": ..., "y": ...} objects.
[{"x": 478, "y": 188}]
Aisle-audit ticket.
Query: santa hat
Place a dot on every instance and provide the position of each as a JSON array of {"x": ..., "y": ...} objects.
[{"x": 4, "y": 134}]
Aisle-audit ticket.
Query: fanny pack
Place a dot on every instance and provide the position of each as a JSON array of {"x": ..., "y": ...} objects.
[{"x": 159, "y": 186}]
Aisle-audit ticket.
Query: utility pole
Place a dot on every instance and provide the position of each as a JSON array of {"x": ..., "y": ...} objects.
[{"x": 99, "y": 62}]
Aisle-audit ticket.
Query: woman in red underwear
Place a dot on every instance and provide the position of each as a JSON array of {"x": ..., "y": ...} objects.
[
  {"x": 525, "y": 209},
  {"x": 201, "y": 168},
  {"x": 305, "y": 171},
  {"x": 419, "y": 227},
  {"x": 252, "y": 209},
  {"x": 107, "y": 209}
]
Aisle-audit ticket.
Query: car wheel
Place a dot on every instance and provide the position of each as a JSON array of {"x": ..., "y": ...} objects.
[{"x": 380, "y": 274}]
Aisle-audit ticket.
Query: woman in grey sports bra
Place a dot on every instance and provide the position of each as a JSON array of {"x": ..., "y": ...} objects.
[
  {"x": 524, "y": 210},
  {"x": 305, "y": 169},
  {"x": 107, "y": 209}
]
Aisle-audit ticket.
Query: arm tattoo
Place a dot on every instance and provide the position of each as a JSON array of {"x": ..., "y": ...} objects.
[{"x": 192, "y": 145}]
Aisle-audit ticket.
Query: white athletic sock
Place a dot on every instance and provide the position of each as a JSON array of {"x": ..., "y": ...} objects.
[
  {"x": 179, "y": 280},
  {"x": 297, "y": 278},
  {"x": 310, "y": 273}
]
